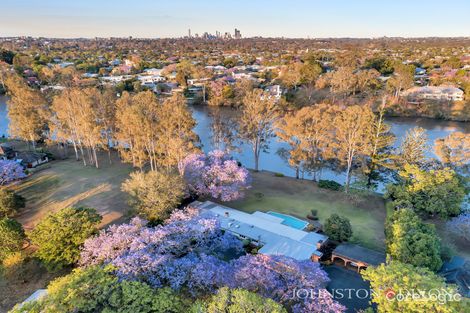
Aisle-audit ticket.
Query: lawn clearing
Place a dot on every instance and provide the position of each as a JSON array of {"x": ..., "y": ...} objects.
[
  {"x": 297, "y": 197},
  {"x": 67, "y": 182}
]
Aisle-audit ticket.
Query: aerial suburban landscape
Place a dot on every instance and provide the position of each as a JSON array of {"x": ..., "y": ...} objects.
[{"x": 245, "y": 157}]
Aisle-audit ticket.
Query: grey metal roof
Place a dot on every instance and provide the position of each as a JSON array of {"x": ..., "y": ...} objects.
[
  {"x": 359, "y": 253},
  {"x": 277, "y": 238}
]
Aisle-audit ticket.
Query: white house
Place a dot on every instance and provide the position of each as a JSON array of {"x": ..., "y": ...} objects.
[
  {"x": 435, "y": 93},
  {"x": 274, "y": 91},
  {"x": 153, "y": 71},
  {"x": 269, "y": 231},
  {"x": 151, "y": 79},
  {"x": 241, "y": 75}
]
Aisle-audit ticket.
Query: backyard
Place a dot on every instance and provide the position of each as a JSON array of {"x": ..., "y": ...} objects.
[
  {"x": 297, "y": 197},
  {"x": 56, "y": 185},
  {"x": 63, "y": 183}
]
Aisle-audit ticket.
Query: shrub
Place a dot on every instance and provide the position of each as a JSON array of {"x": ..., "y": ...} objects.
[
  {"x": 329, "y": 184},
  {"x": 60, "y": 235},
  {"x": 313, "y": 215},
  {"x": 310, "y": 228},
  {"x": 13, "y": 264},
  {"x": 338, "y": 228},
  {"x": 278, "y": 174},
  {"x": 11, "y": 237},
  {"x": 10, "y": 203},
  {"x": 258, "y": 195}
]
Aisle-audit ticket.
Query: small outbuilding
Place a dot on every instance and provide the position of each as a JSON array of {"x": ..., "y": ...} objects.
[
  {"x": 357, "y": 256},
  {"x": 31, "y": 159}
]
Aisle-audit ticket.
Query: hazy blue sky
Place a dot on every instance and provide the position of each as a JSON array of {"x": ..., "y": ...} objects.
[{"x": 172, "y": 18}]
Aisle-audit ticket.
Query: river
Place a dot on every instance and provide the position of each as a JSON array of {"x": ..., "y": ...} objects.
[{"x": 270, "y": 160}]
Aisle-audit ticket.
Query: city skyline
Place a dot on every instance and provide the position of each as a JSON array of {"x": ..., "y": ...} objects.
[{"x": 302, "y": 19}]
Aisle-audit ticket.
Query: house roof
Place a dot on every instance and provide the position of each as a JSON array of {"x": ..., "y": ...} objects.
[
  {"x": 435, "y": 89},
  {"x": 360, "y": 254},
  {"x": 27, "y": 156},
  {"x": 277, "y": 238}
]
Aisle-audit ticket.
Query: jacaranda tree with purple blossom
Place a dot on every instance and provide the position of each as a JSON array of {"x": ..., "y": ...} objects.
[
  {"x": 216, "y": 175},
  {"x": 190, "y": 253},
  {"x": 460, "y": 226},
  {"x": 10, "y": 171}
]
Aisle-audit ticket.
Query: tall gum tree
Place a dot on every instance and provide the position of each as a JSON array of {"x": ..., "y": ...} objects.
[
  {"x": 257, "y": 120},
  {"x": 352, "y": 137},
  {"x": 27, "y": 111}
]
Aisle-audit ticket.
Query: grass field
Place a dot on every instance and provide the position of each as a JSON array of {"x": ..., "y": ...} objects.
[
  {"x": 68, "y": 183},
  {"x": 298, "y": 197},
  {"x": 56, "y": 185}
]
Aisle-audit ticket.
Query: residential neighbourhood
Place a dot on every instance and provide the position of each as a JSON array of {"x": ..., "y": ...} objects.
[{"x": 243, "y": 157}]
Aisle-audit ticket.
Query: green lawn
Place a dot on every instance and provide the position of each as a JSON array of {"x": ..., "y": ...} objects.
[
  {"x": 65, "y": 183},
  {"x": 297, "y": 198}
]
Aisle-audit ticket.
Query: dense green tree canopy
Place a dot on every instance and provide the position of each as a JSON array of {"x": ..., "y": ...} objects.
[
  {"x": 11, "y": 237},
  {"x": 434, "y": 192},
  {"x": 10, "y": 202},
  {"x": 395, "y": 283},
  {"x": 238, "y": 301},
  {"x": 411, "y": 241},
  {"x": 60, "y": 235},
  {"x": 154, "y": 194},
  {"x": 97, "y": 290}
]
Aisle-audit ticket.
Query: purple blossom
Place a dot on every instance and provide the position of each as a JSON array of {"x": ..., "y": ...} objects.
[
  {"x": 277, "y": 277},
  {"x": 460, "y": 226},
  {"x": 189, "y": 253},
  {"x": 216, "y": 175},
  {"x": 10, "y": 171}
]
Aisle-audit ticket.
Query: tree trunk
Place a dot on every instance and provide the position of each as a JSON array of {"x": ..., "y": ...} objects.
[
  {"x": 76, "y": 150},
  {"x": 96, "y": 158},
  {"x": 256, "y": 161},
  {"x": 348, "y": 177},
  {"x": 83, "y": 154}
]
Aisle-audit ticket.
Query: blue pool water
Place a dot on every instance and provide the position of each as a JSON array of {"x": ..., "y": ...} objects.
[{"x": 290, "y": 220}]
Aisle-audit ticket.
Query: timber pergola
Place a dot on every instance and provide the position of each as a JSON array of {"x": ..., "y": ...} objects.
[{"x": 357, "y": 256}]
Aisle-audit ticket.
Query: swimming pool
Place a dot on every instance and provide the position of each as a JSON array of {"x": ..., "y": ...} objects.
[{"x": 290, "y": 220}]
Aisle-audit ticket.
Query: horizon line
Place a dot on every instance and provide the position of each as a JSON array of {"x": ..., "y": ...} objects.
[{"x": 251, "y": 37}]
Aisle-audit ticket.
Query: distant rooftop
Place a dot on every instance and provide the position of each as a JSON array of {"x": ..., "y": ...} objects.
[{"x": 276, "y": 238}]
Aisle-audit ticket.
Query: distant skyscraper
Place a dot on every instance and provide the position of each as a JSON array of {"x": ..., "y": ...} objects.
[
  {"x": 237, "y": 34},
  {"x": 189, "y": 33}
]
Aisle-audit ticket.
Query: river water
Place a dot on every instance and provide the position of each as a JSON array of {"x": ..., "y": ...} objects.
[{"x": 270, "y": 160}]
